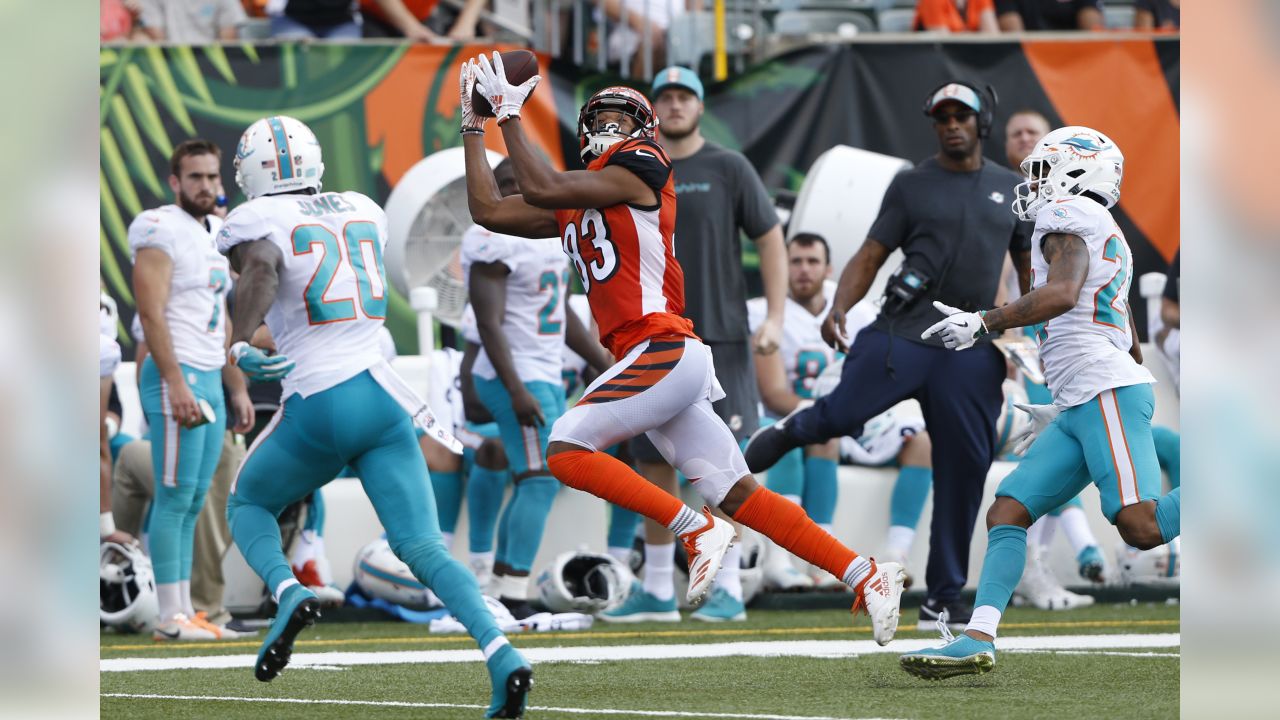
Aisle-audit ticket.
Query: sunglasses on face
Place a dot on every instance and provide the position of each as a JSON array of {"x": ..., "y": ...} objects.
[{"x": 962, "y": 116}]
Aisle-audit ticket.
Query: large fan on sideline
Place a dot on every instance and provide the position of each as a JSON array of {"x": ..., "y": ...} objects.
[
  {"x": 380, "y": 574},
  {"x": 426, "y": 216}
]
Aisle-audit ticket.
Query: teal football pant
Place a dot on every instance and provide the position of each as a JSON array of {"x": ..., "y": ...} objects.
[{"x": 305, "y": 445}]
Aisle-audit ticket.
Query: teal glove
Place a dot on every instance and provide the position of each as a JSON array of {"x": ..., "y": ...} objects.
[{"x": 257, "y": 365}]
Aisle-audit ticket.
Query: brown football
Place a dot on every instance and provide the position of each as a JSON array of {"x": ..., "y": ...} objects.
[{"x": 519, "y": 65}]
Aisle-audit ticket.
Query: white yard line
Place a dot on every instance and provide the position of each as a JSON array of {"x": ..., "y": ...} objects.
[
  {"x": 393, "y": 703},
  {"x": 592, "y": 653}
]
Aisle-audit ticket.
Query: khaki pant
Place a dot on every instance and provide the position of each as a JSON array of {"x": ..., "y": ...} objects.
[{"x": 132, "y": 488}]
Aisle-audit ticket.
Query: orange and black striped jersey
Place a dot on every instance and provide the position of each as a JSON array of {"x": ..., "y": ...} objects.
[{"x": 625, "y": 254}]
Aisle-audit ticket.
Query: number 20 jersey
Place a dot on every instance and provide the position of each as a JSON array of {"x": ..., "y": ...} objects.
[
  {"x": 332, "y": 297},
  {"x": 1086, "y": 350},
  {"x": 625, "y": 254}
]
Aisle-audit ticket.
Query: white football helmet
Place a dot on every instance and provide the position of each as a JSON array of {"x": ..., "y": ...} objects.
[
  {"x": 1158, "y": 567},
  {"x": 380, "y": 574},
  {"x": 127, "y": 599},
  {"x": 751, "y": 565},
  {"x": 1069, "y": 161},
  {"x": 277, "y": 154},
  {"x": 584, "y": 582}
]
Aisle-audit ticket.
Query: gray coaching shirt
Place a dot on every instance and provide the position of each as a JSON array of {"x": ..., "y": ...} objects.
[
  {"x": 717, "y": 193},
  {"x": 956, "y": 227}
]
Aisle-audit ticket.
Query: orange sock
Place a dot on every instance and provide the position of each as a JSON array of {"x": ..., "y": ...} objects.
[
  {"x": 607, "y": 477},
  {"x": 786, "y": 523}
]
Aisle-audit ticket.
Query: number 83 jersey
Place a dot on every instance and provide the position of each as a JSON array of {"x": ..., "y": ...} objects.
[
  {"x": 625, "y": 254},
  {"x": 1086, "y": 350},
  {"x": 332, "y": 297}
]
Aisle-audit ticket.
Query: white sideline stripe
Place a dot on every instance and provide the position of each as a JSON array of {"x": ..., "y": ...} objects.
[
  {"x": 1098, "y": 652},
  {"x": 574, "y": 711},
  {"x": 776, "y": 648}
]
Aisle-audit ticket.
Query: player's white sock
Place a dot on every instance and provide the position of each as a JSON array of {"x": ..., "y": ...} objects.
[
  {"x": 621, "y": 554},
  {"x": 659, "y": 570},
  {"x": 511, "y": 587},
  {"x": 184, "y": 594},
  {"x": 730, "y": 575},
  {"x": 304, "y": 549},
  {"x": 898, "y": 543},
  {"x": 1049, "y": 530},
  {"x": 170, "y": 598},
  {"x": 1076, "y": 525},
  {"x": 857, "y": 571},
  {"x": 985, "y": 620},
  {"x": 687, "y": 520}
]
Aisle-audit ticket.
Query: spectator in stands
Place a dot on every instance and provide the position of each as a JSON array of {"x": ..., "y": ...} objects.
[
  {"x": 955, "y": 16},
  {"x": 192, "y": 21},
  {"x": 408, "y": 19},
  {"x": 1157, "y": 15},
  {"x": 950, "y": 216},
  {"x": 651, "y": 17},
  {"x": 1020, "y": 15},
  {"x": 118, "y": 20},
  {"x": 319, "y": 19}
]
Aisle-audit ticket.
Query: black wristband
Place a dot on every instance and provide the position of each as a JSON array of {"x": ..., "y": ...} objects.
[{"x": 471, "y": 131}]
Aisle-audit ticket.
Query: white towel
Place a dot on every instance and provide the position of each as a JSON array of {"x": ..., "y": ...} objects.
[{"x": 418, "y": 409}]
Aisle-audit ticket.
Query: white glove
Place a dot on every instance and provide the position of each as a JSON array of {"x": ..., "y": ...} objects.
[
  {"x": 505, "y": 98},
  {"x": 959, "y": 330},
  {"x": 467, "y": 81},
  {"x": 1041, "y": 417}
]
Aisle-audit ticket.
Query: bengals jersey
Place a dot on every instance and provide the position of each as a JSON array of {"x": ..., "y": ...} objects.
[{"x": 625, "y": 254}]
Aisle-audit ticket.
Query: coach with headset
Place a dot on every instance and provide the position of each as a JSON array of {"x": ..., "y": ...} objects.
[{"x": 951, "y": 216}]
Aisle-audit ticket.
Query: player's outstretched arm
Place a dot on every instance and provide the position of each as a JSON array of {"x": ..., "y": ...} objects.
[
  {"x": 545, "y": 187},
  {"x": 509, "y": 215},
  {"x": 1068, "y": 259}
]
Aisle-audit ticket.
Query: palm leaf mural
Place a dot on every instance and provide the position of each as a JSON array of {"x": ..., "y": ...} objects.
[{"x": 151, "y": 98}]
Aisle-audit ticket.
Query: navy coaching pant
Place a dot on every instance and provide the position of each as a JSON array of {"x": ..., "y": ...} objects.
[{"x": 960, "y": 394}]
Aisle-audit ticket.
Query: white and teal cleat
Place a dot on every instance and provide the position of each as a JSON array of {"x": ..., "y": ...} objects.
[{"x": 958, "y": 656}]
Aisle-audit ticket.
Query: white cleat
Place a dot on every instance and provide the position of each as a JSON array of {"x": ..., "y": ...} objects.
[
  {"x": 705, "y": 548},
  {"x": 1038, "y": 587},
  {"x": 181, "y": 627},
  {"x": 880, "y": 595}
]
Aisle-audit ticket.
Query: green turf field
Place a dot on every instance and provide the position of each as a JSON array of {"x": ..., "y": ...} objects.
[{"x": 1132, "y": 673}]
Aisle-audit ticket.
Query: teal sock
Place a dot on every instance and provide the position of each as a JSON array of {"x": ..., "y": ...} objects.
[
  {"x": 504, "y": 533},
  {"x": 1002, "y": 566},
  {"x": 820, "y": 489},
  {"x": 1169, "y": 515},
  {"x": 909, "y": 495},
  {"x": 257, "y": 533},
  {"x": 622, "y": 526},
  {"x": 315, "y": 514},
  {"x": 1169, "y": 453},
  {"x": 485, "y": 488},
  {"x": 787, "y": 476},
  {"x": 528, "y": 518},
  {"x": 447, "y": 487}
]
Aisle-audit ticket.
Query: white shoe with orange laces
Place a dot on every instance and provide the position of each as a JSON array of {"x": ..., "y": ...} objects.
[
  {"x": 706, "y": 547},
  {"x": 880, "y": 594},
  {"x": 181, "y": 627},
  {"x": 220, "y": 632}
]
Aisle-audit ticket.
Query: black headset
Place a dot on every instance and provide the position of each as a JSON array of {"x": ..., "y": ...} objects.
[{"x": 989, "y": 100}]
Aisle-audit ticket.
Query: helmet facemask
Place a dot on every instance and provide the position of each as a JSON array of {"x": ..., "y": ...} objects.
[{"x": 595, "y": 141}]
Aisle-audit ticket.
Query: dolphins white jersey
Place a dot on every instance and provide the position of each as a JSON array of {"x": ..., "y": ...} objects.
[
  {"x": 804, "y": 353},
  {"x": 574, "y": 365},
  {"x": 1086, "y": 350},
  {"x": 533, "y": 322},
  {"x": 197, "y": 309},
  {"x": 445, "y": 388},
  {"x": 332, "y": 298}
]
